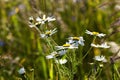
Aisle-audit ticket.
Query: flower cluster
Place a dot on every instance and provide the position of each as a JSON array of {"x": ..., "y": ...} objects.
[
  {"x": 72, "y": 43},
  {"x": 36, "y": 23},
  {"x": 103, "y": 45}
]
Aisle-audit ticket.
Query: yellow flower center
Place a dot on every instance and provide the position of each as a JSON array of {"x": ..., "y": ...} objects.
[
  {"x": 66, "y": 45},
  {"x": 95, "y": 33},
  {"x": 76, "y": 38},
  {"x": 48, "y": 32}
]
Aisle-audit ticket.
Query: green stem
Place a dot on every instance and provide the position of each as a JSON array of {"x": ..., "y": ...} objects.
[
  {"x": 89, "y": 48},
  {"x": 87, "y": 53},
  {"x": 113, "y": 71},
  {"x": 32, "y": 74},
  {"x": 117, "y": 71},
  {"x": 99, "y": 72},
  {"x": 58, "y": 72}
]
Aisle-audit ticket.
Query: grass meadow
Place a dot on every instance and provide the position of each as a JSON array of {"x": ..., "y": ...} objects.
[{"x": 59, "y": 39}]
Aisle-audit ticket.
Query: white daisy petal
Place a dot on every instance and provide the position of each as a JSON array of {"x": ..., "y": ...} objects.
[
  {"x": 100, "y": 58},
  {"x": 49, "y": 56},
  {"x": 21, "y": 70},
  {"x": 103, "y": 45},
  {"x": 61, "y": 61}
]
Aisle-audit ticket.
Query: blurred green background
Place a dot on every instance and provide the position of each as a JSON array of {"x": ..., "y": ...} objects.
[{"x": 21, "y": 45}]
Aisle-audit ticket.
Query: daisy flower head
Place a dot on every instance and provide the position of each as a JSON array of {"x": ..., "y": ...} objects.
[
  {"x": 21, "y": 71},
  {"x": 103, "y": 45},
  {"x": 52, "y": 55},
  {"x": 48, "y": 33},
  {"x": 61, "y": 51},
  {"x": 95, "y": 33},
  {"x": 75, "y": 41},
  {"x": 56, "y": 53},
  {"x": 45, "y": 19},
  {"x": 100, "y": 58},
  {"x": 61, "y": 61},
  {"x": 66, "y": 46}
]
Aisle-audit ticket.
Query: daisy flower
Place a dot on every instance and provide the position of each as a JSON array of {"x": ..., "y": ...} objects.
[
  {"x": 48, "y": 33},
  {"x": 52, "y": 55},
  {"x": 100, "y": 58},
  {"x": 56, "y": 53},
  {"x": 103, "y": 45},
  {"x": 75, "y": 41},
  {"x": 45, "y": 19},
  {"x": 61, "y": 61},
  {"x": 21, "y": 70},
  {"x": 66, "y": 46},
  {"x": 95, "y": 33}
]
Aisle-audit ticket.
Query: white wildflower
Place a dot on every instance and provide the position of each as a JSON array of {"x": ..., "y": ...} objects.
[
  {"x": 61, "y": 61},
  {"x": 103, "y": 45},
  {"x": 66, "y": 46},
  {"x": 45, "y": 19},
  {"x": 61, "y": 51},
  {"x": 21, "y": 70},
  {"x": 75, "y": 41},
  {"x": 100, "y": 58},
  {"x": 95, "y": 33},
  {"x": 56, "y": 53},
  {"x": 48, "y": 33},
  {"x": 52, "y": 55}
]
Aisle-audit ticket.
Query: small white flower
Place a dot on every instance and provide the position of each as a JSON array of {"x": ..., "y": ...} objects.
[
  {"x": 21, "y": 70},
  {"x": 95, "y": 33},
  {"x": 100, "y": 58},
  {"x": 75, "y": 41},
  {"x": 56, "y": 53},
  {"x": 52, "y": 55},
  {"x": 103, "y": 45},
  {"x": 61, "y": 61},
  {"x": 66, "y": 46},
  {"x": 61, "y": 51},
  {"x": 48, "y": 33},
  {"x": 45, "y": 19}
]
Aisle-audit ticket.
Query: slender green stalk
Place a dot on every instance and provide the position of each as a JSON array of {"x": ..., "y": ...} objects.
[
  {"x": 32, "y": 74},
  {"x": 99, "y": 72},
  {"x": 87, "y": 53},
  {"x": 51, "y": 71},
  {"x": 58, "y": 74},
  {"x": 89, "y": 48},
  {"x": 113, "y": 71},
  {"x": 117, "y": 71}
]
